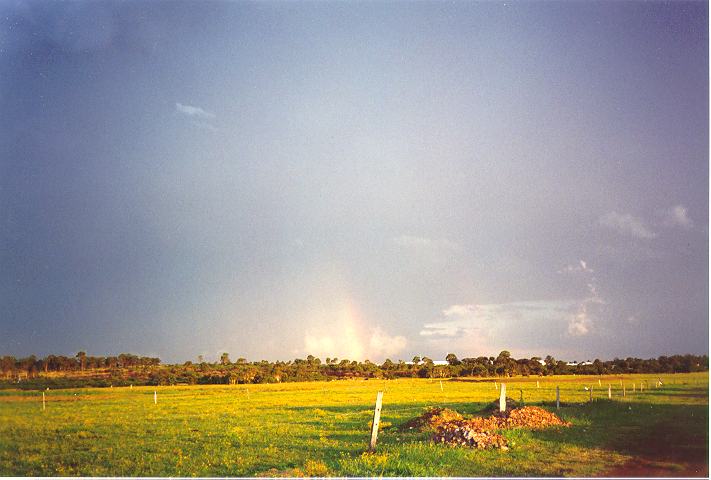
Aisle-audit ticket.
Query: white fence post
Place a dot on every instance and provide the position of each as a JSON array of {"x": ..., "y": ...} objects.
[
  {"x": 557, "y": 397},
  {"x": 502, "y": 398},
  {"x": 376, "y": 421}
]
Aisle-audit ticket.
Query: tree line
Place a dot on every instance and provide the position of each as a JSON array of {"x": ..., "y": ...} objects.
[{"x": 124, "y": 369}]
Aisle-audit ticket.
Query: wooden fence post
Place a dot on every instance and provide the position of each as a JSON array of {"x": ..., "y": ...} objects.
[
  {"x": 376, "y": 421},
  {"x": 43, "y": 404},
  {"x": 537, "y": 384},
  {"x": 609, "y": 391},
  {"x": 591, "y": 392},
  {"x": 624, "y": 393},
  {"x": 155, "y": 397},
  {"x": 502, "y": 398},
  {"x": 557, "y": 397}
]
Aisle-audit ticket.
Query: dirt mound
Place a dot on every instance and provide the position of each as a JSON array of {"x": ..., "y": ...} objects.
[
  {"x": 465, "y": 434},
  {"x": 482, "y": 432},
  {"x": 535, "y": 418},
  {"x": 433, "y": 418}
]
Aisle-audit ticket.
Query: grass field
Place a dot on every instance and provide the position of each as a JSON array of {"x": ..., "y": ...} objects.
[{"x": 321, "y": 429}]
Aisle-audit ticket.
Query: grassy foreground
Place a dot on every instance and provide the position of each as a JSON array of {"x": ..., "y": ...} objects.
[{"x": 321, "y": 429}]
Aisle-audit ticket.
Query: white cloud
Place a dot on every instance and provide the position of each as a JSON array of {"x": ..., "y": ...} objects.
[
  {"x": 579, "y": 324},
  {"x": 626, "y": 224},
  {"x": 522, "y": 326},
  {"x": 383, "y": 345},
  {"x": 354, "y": 344},
  {"x": 677, "y": 216},
  {"x": 192, "y": 111},
  {"x": 581, "y": 266},
  {"x": 460, "y": 310},
  {"x": 478, "y": 329}
]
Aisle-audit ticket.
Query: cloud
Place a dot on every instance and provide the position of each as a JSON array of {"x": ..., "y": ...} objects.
[
  {"x": 483, "y": 328},
  {"x": 522, "y": 326},
  {"x": 352, "y": 343},
  {"x": 676, "y": 216},
  {"x": 460, "y": 310},
  {"x": 626, "y": 224},
  {"x": 579, "y": 325},
  {"x": 195, "y": 112},
  {"x": 342, "y": 330},
  {"x": 415, "y": 242},
  {"x": 581, "y": 266}
]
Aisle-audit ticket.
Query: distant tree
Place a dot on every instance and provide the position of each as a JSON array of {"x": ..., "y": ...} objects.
[
  {"x": 452, "y": 359},
  {"x": 416, "y": 359},
  {"x": 81, "y": 356},
  {"x": 225, "y": 359}
]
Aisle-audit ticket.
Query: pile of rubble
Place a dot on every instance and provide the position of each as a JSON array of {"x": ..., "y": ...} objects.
[
  {"x": 482, "y": 432},
  {"x": 433, "y": 418},
  {"x": 464, "y": 434},
  {"x": 534, "y": 418}
]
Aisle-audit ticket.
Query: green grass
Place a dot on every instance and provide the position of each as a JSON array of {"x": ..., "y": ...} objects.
[{"x": 321, "y": 428}]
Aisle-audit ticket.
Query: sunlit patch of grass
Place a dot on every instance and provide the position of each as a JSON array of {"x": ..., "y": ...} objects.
[{"x": 322, "y": 429}]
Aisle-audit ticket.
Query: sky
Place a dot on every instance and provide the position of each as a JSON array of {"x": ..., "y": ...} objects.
[{"x": 361, "y": 180}]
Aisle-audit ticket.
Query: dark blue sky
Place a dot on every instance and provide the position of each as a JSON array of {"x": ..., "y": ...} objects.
[{"x": 361, "y": 180}]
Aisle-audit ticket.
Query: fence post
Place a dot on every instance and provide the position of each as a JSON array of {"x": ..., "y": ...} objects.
[
  {"x": 502, "y": 398},
  {"x": 599, "y": 382},
  {"x": 43, "y": 404},
  {"x": 537, "y": 384},
  {"x": 591, "y": 392},
  {"x": 155, "y": 397},
  {"x": 609, "y": 391},
  {"x": 634, "y": 387},
  {"x": 557, "y": 397},
  {"x": 624, "y": 393},
  {"x": 496, "y": 385},
  {"x": 440, "y": 386},
  {"x": 376, "y": 421}
]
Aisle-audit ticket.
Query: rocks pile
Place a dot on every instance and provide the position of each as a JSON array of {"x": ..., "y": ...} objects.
[
  {"x": 433, "y": 418},
  {"x": 464, "y": 434},
  {"x": 452, "y": 428},
  {"x": 534, "y": 418}
]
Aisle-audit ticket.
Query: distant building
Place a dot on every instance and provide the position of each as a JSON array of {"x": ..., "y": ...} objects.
[
  {"x": 581, "y": 364},
  {"x": 435, "y": 362}
]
